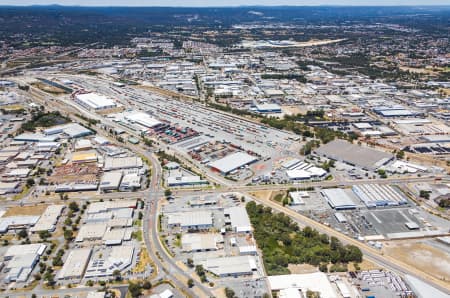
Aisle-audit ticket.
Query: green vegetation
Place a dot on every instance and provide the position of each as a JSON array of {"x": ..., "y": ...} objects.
[
  {"x": 42, "y": 119},
  {"x": 425, "y": 194},
  {"x": 283, "y": 242},
  {"x": 444, "y": 203},
  {"x": 201, "y": 273},
  {"x": 229, "y": 293}
]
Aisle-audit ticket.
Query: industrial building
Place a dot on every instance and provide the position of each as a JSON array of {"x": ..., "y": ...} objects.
[
  {"x": 93, "y": 101},
  {"x": 130, "y": 182},
  {"x": 200, "y": 242},
  {"x": 355, "y": 155},
  {"x": 21, "y": 260},
  {"x": 17, "y": 222},
  {"x": 48, "y": 219},
  {"x": 75, "y": 264},
  {"x": 110, "y": 181},
  {"x": 315, "y": 282},
  {"x": 195, "y": 220},
  {"x": 104, "y": 262},
  {"x": 232, "y": 162},
  {"x": 71, "y": 130},
  {"x": 106, "y": 206},
  {"x": 231, "y": 266},
  {"x": 91, "y": 232},
  {"x": 268, "y": 108},
  {"x": 121, "y": 163},
  {"x": 338, "y": 199},
  {"x": 377, "y": 195},
  {"x": 237, "y": 217},
  {"x": 297, "y": 197},
  {"x": 143, "y": 119},
  {"x": 173, "y": 181}
]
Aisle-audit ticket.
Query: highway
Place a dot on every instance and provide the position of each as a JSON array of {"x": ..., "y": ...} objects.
[{"x": 172, "y": 271}]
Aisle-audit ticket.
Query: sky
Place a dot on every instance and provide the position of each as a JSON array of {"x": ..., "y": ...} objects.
[{"x": 201, "y": 3}]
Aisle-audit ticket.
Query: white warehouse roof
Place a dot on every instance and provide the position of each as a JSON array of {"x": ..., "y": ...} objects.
[
  {"x": 142, "y": 119},
  {"x": 95, "y": 101},
  {"x": 338, "y": 198},
  {"x": 75, "y": 264},
  {"x": 316, "y": 282},
  {"x": 232, "y": 162}
]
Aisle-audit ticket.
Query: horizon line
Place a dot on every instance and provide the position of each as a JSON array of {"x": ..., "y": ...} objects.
[{"x": 222, "y": 6}]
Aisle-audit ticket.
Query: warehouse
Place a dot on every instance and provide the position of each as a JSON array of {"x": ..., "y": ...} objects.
[
  {"x": 355, "y": 155},
  {"x": 110, "y": 181},
  {"x": 75, "y": 264},
  {"x": 238, "y": 218},
  {"x": 9, "y": 187},
  {"x": 376, "y": 195},
  {"x": 316, "y": 282},
  {"x": 232, "y": 162},
  {"x": 84, "y": 157},
  {"x": 338, "y": 199},
  {"x": 21, "y": 259},
  {"x": 130, "y": 182},
  {"x": 72, "y": 130},
  {"x": 192, "y": 180},
  {"x": 92, "y": 231},
  {"x": 17, "y": 222},
  {"x": 93, "y": 101},
  {"x": 143, "y": 119},
  {"x": 268, "y": 108},
  {"x": 231, "y": 266},
  {"x": 196, "y": 220},
  {"x": 200, "y": 242},
  {"x": 35, "y": 137},
  {"x": 106, "y": 206},
  {"x": 48, "y": 220},
  {"x": 105, "y": 261},
  {"x": 83, "y": 144},
  {"x": 121, "y": 163},
  {"x": 297, "y": 197}
]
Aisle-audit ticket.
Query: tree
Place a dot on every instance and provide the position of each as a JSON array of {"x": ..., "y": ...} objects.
[
  {"x": 22, "y": 234},
  {"x": 117, "y": 275},
  {"x": 68, "y": 234},
  {"x": 229, "y": 293},
  {"x": 74, "y": 206},
  {"x": 147, "y": 285},
  {"x": 135, "y": 289},
  {"x": 30, "y": 182},
  {"x": 400, "y": 154},
  {"x": 190, "y": 282},
  {"x": 44, "y": 235},
  {"x": 424, "y": 194},
  {"x": 190, "y": 263},
  {"x": 167, "y": 192}
]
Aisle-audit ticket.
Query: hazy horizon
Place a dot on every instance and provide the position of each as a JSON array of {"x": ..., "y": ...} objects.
[{"x": 222, "y": 3}]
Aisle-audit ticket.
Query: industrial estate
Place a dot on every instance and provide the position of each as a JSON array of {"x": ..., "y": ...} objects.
[{"x": 257, "y": 158}]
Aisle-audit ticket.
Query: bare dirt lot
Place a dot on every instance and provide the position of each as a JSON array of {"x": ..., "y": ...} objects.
[
  {"x": 25, "y": 210},
  {"x": 421, "y": 256}
]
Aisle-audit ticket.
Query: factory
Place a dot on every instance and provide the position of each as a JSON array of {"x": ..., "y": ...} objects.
[
  {"x": 375, "y": 195},
  {"x": 110, "y": 181},
  {"x": 17, "y": 222},
  {"x": 143, "y": 119},
  {"x": 297, "y": 197},
  {"x": 95, "y": 102},
  {"x": 20, "y": 261},
  {"x": 299, "y": 284},
  {"x": 48, "y": 220},
  {"x": 75, "y": 264},
  {"x": 122, "y": 163},
  {"x": 338, "y": 199},
  {"x": 71, "y": 130},
  {"x": 355, "y": 155},
  {"x": 231, "y": 266},
  {"x": 201, "y": 242},
  {"x": 232, "y": 162},
  {"x": 194, "y": 220},
  {"x": 237, "y": 217},
  {"x": 268, "y": 108},
  {"x": 103, "y": 262}
]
